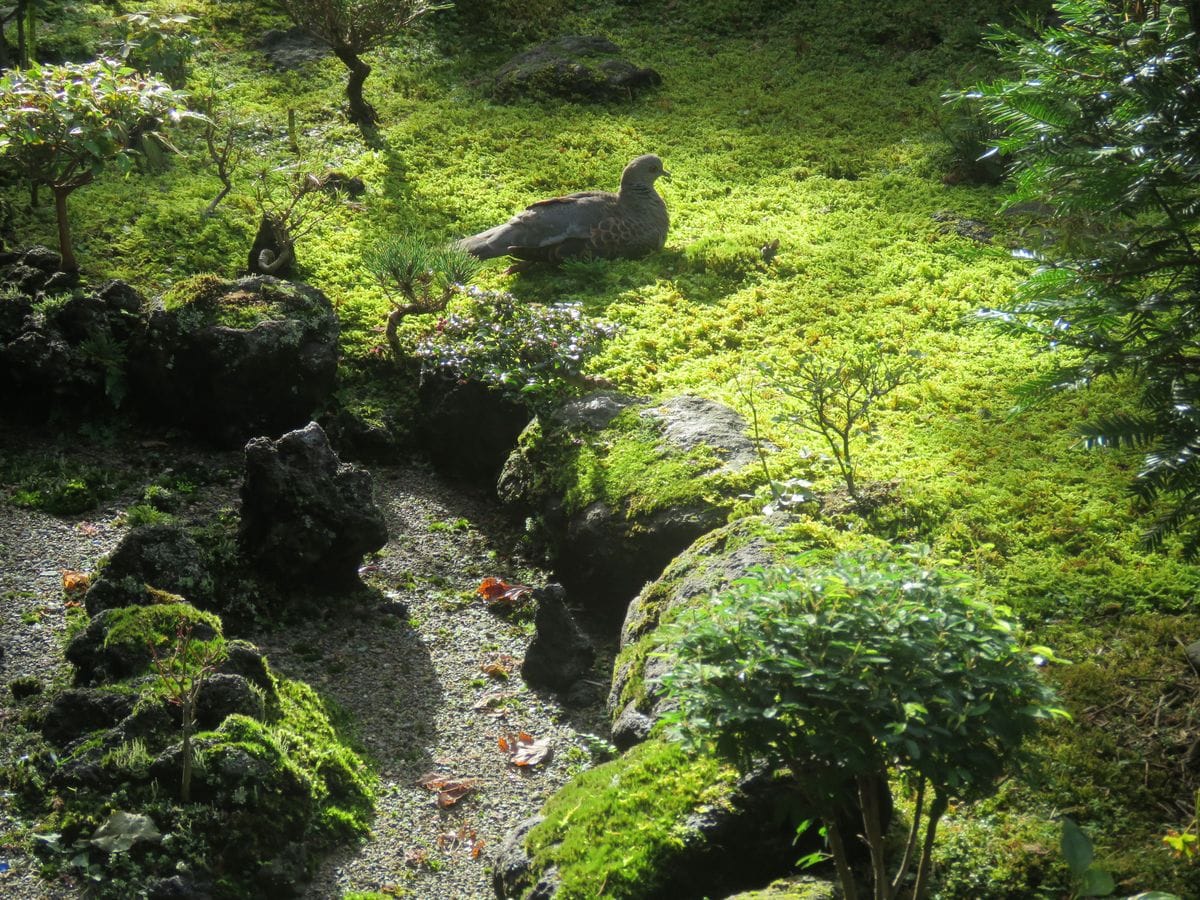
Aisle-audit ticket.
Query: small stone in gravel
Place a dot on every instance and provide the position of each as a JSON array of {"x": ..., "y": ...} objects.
[{"x": 560, "y": 653}]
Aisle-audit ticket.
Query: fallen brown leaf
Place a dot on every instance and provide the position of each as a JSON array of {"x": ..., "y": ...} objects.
[
  {"x": 447, "y": 789},
  {"x": 499, "y": 665},
  {"x": 524, "y": 750},
  {"x": 497, "y": 591},
  {"x": 74, "y": 582}
]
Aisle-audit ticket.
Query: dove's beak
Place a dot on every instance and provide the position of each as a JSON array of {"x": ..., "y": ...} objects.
[{"x": 666, "y": 175}]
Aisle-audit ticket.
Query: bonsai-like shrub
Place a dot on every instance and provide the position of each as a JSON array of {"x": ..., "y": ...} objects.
[
  {"x": 849, "y": 672},
  {"x": 422, "y": 276},
  {"x": 61, "y": 125},
  {"x": 352, "y": 28}
]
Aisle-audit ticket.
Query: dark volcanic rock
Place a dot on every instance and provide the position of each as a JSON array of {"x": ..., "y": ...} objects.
[
  {"x": 78, "y": 711},
  {"x": 223, "y": 695},
  {"x": 467, "y": 428},
  {"x": 155, "y": 556},
  {"x": 307, "y": 518},
  {"x": 511, "y": 867},
  {"x": 263, "y": 377},
  {"x": 559, "y": 654},
  {"x": 575, "y": 67},
  {"x": 62, "y": 343},
  {"x": 246, "y": 660}
]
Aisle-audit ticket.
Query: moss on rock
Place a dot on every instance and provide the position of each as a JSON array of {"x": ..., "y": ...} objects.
[
  {"x": 282, "y": 782},
  {"x": 710, "y": 564},
  {"x": 657, "y": 822},
  {"x": 609, "y": 831}
]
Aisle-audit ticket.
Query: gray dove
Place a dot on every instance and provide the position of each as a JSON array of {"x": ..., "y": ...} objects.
[{"x": 629, "y": 223}]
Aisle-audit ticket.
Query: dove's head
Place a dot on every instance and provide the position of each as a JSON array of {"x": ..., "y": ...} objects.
[{"x": 643, "y": 170}]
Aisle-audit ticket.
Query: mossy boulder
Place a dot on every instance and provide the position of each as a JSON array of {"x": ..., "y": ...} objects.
[
  {"x": 795, "y": 887},
  {"x": 273, "y": 770},
  {"x": 654, "y": 823},
  {"x": 709, "y": 565},
  {"x": 573, "y": 67},
  {"x": 119, "y": 643},
  {"x": 150, "y": 560},
  {"x": 255, "y": 356},
  {"x": 620, "y": 486}
]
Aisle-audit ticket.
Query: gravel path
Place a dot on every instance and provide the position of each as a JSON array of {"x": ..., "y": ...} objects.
[
  {"x": 421, "y": 702},
  {"x": 35, "y": 549},
  {"x": 412, "y": 683}
]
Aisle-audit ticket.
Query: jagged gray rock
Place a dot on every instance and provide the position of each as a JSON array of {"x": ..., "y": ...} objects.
[
  {"x": 560, "y": 653},
  {"x": 630, "y": 223},
  {"x": 307, "y": 517}
]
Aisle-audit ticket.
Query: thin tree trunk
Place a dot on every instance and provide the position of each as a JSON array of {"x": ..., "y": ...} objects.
[
  {"x": 64, "y": 230},
  {"x": 22, "y": 48},
  {"x": 913, "y": 833},
  {"x": 185, "y": 789},
  {"x": 936, "y": 809},
  {"x": 868, "y": 799},
  {"x": 362, "y": 113},
  {"x": 840, "y": 860}
]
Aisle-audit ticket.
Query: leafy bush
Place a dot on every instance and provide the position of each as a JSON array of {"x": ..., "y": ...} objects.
[
  {"x": 532, "y": 351},
  {"x": 1101, "y": 124},
  {"x": 850, "y": 671},
  {"x": 60, "y": 125},
  {"x": 156, "y": 45}
]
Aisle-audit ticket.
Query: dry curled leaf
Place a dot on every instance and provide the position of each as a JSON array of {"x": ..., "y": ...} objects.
[
  {"x": 499, "y": 665},
  {"x": 465, "y": 838},
  {"x": 496, "y": 591},
  {"x": 494, "y": 704},
  {"x": 524, "y": 750},
  {"x": 74, "y": 582},
  {"x": 447, "y": 789}
]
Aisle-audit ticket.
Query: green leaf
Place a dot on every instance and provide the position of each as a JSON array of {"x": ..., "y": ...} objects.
[
  {"x": 1097, "y": 883},
  {"x": 1076, "y": 848}
]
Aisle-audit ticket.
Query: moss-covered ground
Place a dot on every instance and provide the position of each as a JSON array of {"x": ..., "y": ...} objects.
[{"x": 820, "y": 125}]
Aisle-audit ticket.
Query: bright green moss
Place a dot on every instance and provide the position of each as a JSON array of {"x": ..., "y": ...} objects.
[
  {"x": 135, "y": 629},
  {"x": 343, "y": 785},
  {"x": 210, "y": 300},
  {"x": 608, "y": 831},
  {"x": 814, "y": 124},
  {"x": 629, "y": 466}
]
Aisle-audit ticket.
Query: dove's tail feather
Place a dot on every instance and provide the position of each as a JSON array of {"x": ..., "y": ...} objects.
[{"x": 488, "y": 244}]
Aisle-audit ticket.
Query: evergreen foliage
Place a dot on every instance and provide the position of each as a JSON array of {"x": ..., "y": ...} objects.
[{"x": 1103, "y": 124}]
